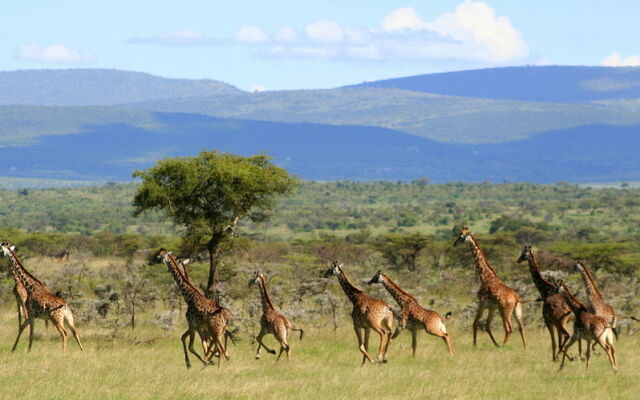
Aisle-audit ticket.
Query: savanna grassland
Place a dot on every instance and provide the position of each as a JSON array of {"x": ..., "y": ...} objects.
[
  {"x": 147, "y": 364},
  {"x": 130, "y": 315}
]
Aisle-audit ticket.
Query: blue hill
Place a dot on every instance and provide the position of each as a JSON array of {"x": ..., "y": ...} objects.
[
  {"x": 325, "y": 152},
  {"x": 546, "y": 84}
]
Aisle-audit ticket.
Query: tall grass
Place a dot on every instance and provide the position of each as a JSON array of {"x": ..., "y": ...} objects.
[{"x": 148, "y": 364}]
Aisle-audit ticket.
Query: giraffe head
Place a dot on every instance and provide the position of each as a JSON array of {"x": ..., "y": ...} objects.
[
  {"x": 377, "y": 278},
  {"x": 334, "y": 269},
  {"x": 525, "y": 255},
  {"x": 161, "y": 255},
  {"x": 7, "y": 248},
  {"x": 559, "y": 288},
  {"x": 579, "y": 266},
  {"x": 463, "y": 236},
  {"x": 255, "y": 278}
]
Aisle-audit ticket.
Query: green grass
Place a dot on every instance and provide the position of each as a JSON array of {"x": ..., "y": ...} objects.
[{"x": 323, "y": 365}]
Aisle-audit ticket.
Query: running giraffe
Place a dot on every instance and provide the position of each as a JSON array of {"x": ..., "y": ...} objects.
[
  {"x": 589, "y": 327},
  {"x": 555, "y": 310},
  {"x": 493, "y": 294},
  {"x": 271, "y": 321},
  {"x": 203, "y": 315},
  {"x": 367, "y": 314},
  {"x": 600, "y": 307},
  {"x": 413, "y": 316},
  {"x": 40, "y": 303}
]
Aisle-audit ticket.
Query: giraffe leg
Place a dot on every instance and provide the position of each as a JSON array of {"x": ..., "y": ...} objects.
[
  {"x": 388, "y": 326},
  {"x": 588, "y": 353},
  {"x": 184, "y": 346},
  {"x": 383, "y": 344},
  {"x": 261, "y": 344},
  {"x": 367, "y": 333},
  {"x": 360, "y": 335},
  {"x": 520, "y": 322},
  {"x": 20, "y": 329},
  {"x": 487, "y": 327},
  {"x": 606, "y": 342},
  {"x": 580, "y": 349},
  {"x": 447, "y": 340},
  {"x": 505, "y": 315},
  {"x": 218, "y": 338},
  {"x": 19, "y": 315},
  {"x": 611, "y": 353},
  {"x": 564, "y": 350},
  {"x": 192, "y": 337},
  {"x": 414, "y": 341},
  {"x": 31, "y": 326},
  {"x": 281, "y": 336},
  {"x": 69, "y": 320},
  {"x": 553, "y": 340},
  {"x": 60, "y": 328},
  {"x": 476, "y": 321}
]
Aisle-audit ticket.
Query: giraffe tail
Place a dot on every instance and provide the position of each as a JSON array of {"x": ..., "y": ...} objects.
[
  {"x": 523, "y": 301},
  {"x": 448, "y": 316},
  {"x": 301, "y": 332}
]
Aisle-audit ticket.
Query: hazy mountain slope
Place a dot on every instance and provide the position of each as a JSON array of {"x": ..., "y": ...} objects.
[
  {"x": 24, "y": 124},
  {"x": 324, "y": 152},
  {"x": 79, "y": 87},
  {"x": 544, "y": 83},
  {"x": 435, "y": 116},
  {"x": 438, "y": 117}
]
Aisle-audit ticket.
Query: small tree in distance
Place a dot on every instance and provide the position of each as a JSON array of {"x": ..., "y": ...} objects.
[{"x": 210, "y": 193}]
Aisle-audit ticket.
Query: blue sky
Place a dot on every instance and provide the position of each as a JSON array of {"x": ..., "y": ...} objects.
[{"x": 280, "y": 44}]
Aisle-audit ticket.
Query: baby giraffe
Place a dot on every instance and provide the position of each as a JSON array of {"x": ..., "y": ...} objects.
[
  {"x": 413, "y": 316},
  {"x": 589, "y": 327},
  {"x": 272, "y": 321}
]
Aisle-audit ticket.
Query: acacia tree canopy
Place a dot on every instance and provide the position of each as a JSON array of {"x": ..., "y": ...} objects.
[{"x": 209, "y": 193}]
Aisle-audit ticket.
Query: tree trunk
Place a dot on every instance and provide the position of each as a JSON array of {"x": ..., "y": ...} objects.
[{"x": 214, "y": 256}]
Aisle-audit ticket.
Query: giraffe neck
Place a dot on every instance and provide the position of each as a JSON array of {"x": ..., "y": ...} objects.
[
  {"x": 544, "y": 287},
  {"x": 402, "y": 297},
  {"x": 486, "y": 272},
  {"x": 267, "y": 304},
  {"x": 189, "y": 292},
  {"x": 592, "y": 289},
  {"x": 576, "y": 305},
  {"x": 21, "y": 275},
  {"x": 351, "y": 291}
]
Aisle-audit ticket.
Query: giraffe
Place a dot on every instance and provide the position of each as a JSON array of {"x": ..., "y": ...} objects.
[
  {"x": 413, "y": 315},
  {"x": 271, "y": 321},
  {"x": 493, "y": 294},
  {"x": 40, "y": 303},
  {"x": 203, "y": 315},
  {"x": 20, "y": 293},
  {"x": 555, "y": 310},
  {"x": 367, "y": 314},
  {"x": 589, "y": 327},
  {"x": 600, "y": 307}
]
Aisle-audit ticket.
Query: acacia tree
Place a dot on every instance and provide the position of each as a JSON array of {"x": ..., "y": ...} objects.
[{"x": 209, "y": 194}]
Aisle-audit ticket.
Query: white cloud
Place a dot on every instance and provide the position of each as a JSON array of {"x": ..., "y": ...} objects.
[
  {"x": 182, "y": 38},
  {"x": 472, "y": 33},
  {"x": 56, "y": 54},
  {"x": 325, "y": 31},
  {"x": 616, "y": 60},
  {"x": 403, "y": 19},
  {"x": 476, "y": 21},
  {"x": 250, "y": 34}
]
